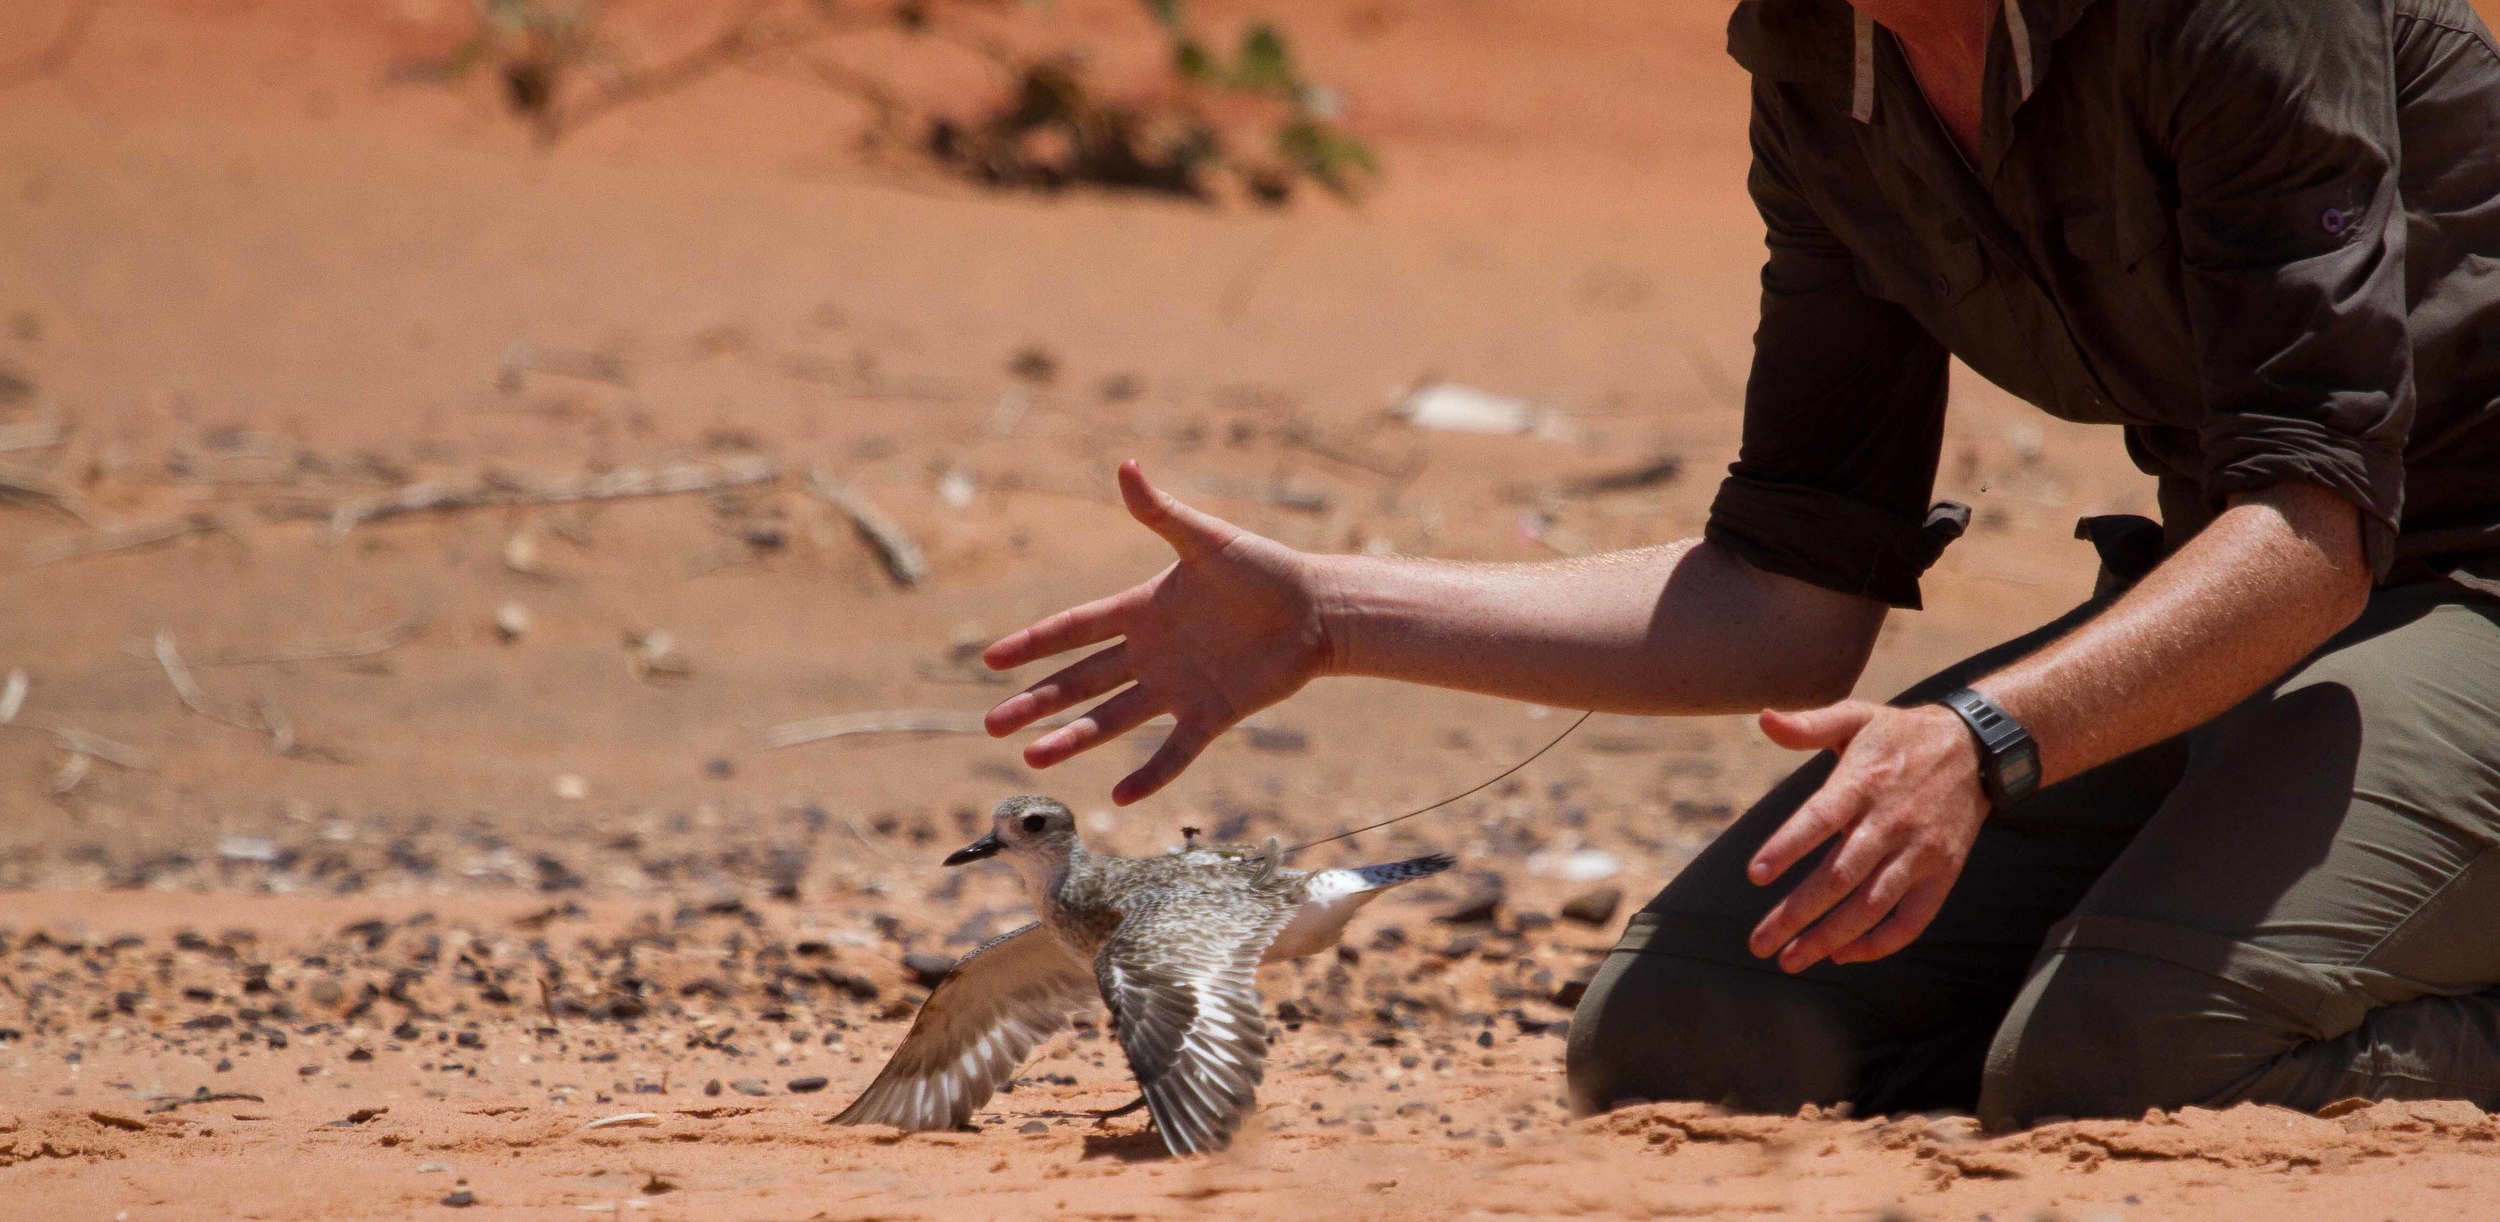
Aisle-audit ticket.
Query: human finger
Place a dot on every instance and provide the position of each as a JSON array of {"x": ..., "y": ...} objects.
[
  {"x": 1850, "y": 863},
  {"x": 1916, "y": 912},
  {"x": 1075, "y": 628},
  {"x": 1088, "y": 677},
  {"x": 1178, "y": 751},
  {"x": 1100, "y": 724},
  {"x": 1863, "y": 910},
  {"x": 1840, "y": 802}
]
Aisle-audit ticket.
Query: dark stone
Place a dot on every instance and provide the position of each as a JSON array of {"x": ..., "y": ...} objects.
[
  {"x": 806, "y": 1086},
  {"x": 1476, "y": 909},
  {"x": 927, "y": 968},
  {"x": 1572, "y": 991}
]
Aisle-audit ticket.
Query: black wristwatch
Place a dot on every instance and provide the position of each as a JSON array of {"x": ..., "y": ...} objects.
[{"x": 2009, "y": 762}]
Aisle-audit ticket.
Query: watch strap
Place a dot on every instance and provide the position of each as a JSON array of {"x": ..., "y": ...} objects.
[{"x": 2009, "y": 761}]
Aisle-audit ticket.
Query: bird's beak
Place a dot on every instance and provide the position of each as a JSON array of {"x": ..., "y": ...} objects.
[{"x": 986, "y": 846}]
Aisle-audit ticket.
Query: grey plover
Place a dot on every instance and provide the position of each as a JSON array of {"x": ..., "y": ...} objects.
[{"x": 1169, "y": 944}]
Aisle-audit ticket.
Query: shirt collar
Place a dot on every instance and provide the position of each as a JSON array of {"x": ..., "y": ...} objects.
[{"x": 2032, "y": 28}]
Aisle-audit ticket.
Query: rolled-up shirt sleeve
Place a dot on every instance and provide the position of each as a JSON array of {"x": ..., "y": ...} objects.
[
  {"x": 1844, "y": 411},
  {"x": 2291, "y": 229}
]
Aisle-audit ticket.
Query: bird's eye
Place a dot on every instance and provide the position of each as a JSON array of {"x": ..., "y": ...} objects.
[{"x": 1035, "y": 823}]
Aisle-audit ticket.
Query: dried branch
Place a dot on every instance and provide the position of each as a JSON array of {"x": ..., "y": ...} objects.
[
  {"x": 21, "y": 485},
  {"x": 187, "y": 689},
  {"x": 894, "y": 546},
  {"x": 524, "y": 358},
  {"x": 121, "y": 539},
  {"x": 881, "y": 721},
  {"x": 624, "y": 483},
  {"x": 266, "y": 718},
  {"x": 203, "y": 1095},
  {"x": 78, "y": 741},
  {"x": 1299, "y": 436},
  {"x": 364, "y": 644}
]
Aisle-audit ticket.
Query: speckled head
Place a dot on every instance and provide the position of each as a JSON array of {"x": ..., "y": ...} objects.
[{"x": 1027, "y": 825}]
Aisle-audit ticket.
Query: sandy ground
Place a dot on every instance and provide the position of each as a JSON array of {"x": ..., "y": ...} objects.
[{"x": 429, "y": 897}]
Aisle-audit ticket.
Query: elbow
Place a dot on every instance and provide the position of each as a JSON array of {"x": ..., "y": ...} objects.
[
  {"x": 2348, "y": 597},
  {"x": 1811, "y": 675},
  {"x": 1815, "y": 690}
]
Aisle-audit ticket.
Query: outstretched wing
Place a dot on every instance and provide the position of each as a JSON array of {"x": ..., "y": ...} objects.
[
  {"x": 974, "y": 1032},
  {"x": 1180, "y": 978}
]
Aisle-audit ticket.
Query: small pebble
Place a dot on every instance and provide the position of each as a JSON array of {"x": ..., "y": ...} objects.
[
  {"x": 1033, "y": 1126},
  {"x": 1594, "y": 907},
  {"x": 751, "y": 1086},
  {"x": 806, "y": 1086},
  {"x": 712, "y": 1087},
  {"x": 512, "y": 622},
  {"x": 460, "y": 1197}
]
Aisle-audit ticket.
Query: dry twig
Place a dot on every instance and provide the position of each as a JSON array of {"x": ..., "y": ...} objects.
[
  {"x": 882, "y": 721},
  {"x": 203, "y": 1095},
  {"x": 364, "y": 644},
  {"x": 121, "y": 539},
  {"x": 21, "y": 485},
  {"x": 78, "y": 741},
  {"x": 901, "y": 556},
  {"x": 626, "y": 482},
  {"x": 266, "y": 718}
]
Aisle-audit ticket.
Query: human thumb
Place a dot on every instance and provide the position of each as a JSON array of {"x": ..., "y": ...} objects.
[
  {"x": 1825, "y": 729},
  {"x": 1187, "y": 530}
]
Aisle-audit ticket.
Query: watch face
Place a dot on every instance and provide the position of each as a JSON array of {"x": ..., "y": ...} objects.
[{"x": 2021, "y": 772}]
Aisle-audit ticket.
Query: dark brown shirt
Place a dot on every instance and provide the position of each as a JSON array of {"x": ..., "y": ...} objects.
[{"x": 2261, "y": 235}]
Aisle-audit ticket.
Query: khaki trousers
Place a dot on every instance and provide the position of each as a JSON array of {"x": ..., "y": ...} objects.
[{"x": 2296, "y": 903}]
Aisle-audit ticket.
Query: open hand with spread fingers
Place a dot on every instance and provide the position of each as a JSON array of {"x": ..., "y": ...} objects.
[{"x": 1232, "y": 626}]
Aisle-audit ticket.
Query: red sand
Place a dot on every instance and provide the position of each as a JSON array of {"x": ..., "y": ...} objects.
[{"x": 259, "y": 273}]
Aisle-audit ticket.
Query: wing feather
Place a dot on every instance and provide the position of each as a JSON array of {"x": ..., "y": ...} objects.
[
  {"x": 975, "y": 1031},
  {"x": 1180, "y": 978}
]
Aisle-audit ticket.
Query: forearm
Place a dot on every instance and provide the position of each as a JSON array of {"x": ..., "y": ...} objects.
[
  {"x": 1681, "y": 628},
  {"x": 2268, "y": 582}
]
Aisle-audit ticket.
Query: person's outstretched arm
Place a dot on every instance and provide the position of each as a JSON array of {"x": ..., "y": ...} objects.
[{"x": 1239, "y": 622}]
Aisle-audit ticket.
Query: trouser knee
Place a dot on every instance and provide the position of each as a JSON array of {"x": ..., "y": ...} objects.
[
  {"x": 1657, "y": 1027},
  {"x": 2100, "y": 1034}
]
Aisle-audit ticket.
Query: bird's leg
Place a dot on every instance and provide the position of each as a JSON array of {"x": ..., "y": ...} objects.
[
  {"x": 1122, "y": 1110},
  {"x": 1271, "y": 859}
]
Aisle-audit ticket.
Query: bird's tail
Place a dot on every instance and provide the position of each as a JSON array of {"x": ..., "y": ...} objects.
[{"x": 1390, "y": 874}]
